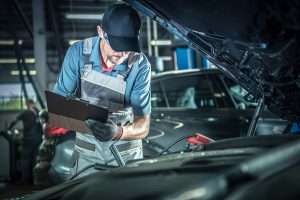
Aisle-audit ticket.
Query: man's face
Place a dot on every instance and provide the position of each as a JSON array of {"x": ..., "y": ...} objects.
[
  {"x": 29, "y": 105},
  {"x": 113, "y": 56}
]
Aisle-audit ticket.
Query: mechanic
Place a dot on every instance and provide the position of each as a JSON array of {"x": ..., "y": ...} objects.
[
  {"x": 110, "y": 71},
  {"x": 32, "y": 137},
  {"x": 41, "y": 172}
]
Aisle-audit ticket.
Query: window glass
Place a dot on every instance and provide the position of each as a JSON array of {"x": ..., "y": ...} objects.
[
  {"x": 238, "y": 93},
  {"x": 189, "y": 92},
  {"x": 222, "y": 98},
  {"x": 157, "y": 96},
  {"x": 11, "y": 96}
]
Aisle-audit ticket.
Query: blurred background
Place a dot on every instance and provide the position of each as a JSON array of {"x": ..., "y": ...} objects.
[{"x": 34, "y": 36}]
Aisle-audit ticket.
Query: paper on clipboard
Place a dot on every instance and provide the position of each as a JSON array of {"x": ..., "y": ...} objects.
[{"x": 71, "y": 113}]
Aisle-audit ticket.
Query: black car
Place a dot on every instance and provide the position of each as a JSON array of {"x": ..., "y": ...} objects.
[
  {"x": 240, "y": 168},
  {"x": 201, "y": 101},
  {"x": 183, "y": 103},
  {"x": 256, "y": 44}
]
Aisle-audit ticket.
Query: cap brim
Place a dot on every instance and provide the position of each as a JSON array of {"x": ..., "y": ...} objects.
[{"x": 120, "y": 44}]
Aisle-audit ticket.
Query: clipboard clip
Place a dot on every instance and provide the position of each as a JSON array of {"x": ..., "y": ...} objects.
[
  {"x": 84, "y": 101},
  {"x": 73, "y": 96}
]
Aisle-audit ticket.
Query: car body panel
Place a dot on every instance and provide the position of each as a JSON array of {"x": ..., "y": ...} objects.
[{"x": 172, "y": 175}]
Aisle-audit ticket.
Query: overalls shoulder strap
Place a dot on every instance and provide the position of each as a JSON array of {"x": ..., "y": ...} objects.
[{"x": 86, "y": 52}]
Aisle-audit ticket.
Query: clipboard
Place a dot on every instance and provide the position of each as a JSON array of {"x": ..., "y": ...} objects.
[{"x": 71, "y": 113}]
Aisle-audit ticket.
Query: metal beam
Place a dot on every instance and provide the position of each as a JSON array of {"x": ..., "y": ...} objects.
[
  {"x": 259, "y": 109},
  {"x": 155, "y": 38},
  {"x": 149, "y": 36},
  {"x": 39, "y": 42},
  {"x": 17, "y": 49},
  {"x": 23, "y": 17},
  {"x": 57, "y": 34}
]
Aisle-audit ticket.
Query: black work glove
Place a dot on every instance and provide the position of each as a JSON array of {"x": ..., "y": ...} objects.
[{"x": 104, "y": 131}]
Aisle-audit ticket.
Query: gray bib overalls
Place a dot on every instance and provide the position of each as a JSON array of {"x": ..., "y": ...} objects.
[{"x": 107, "y": 91}]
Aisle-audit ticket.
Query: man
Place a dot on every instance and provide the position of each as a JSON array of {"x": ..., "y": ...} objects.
[
  {"x": 32, "y": 137},
  {"x": 44, "y": 173},
  {"x": 110, "y": 71}
]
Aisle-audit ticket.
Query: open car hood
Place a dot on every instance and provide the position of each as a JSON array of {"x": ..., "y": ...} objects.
[{"x": 254, "y": 42}]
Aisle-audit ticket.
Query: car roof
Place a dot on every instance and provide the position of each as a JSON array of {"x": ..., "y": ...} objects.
[{"x": 176, "y": 73}]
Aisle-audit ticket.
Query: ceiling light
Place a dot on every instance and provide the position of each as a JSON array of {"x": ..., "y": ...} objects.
[
  {"x": 222, "y": 94},
  {"x": 9, "y": 42},
  {"x": 84, "y": 16},
  {"x": 72, "y": 41},
  {"x": 13, "y": 60},
  {"x": 166, "y": 58},
  {"x": 16, "y": 72},
  {"x": 161, "y": 42}
]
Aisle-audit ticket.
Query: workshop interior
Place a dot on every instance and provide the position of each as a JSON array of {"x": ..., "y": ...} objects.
[{"x": 149, "y": 99}]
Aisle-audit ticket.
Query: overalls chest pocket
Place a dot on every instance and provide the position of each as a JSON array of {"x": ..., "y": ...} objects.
[{"x": 101, "y": 86}]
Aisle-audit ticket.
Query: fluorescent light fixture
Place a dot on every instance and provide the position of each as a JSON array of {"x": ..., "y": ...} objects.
[
  {"x": 16, "y": 72},
  {"x": 13, "y": 60},
  {"x": 72, "y": 41},
  {"x": 154, "y": 98},
  {"x": 9, "y": 42},
  {"x": 211, "y": 119},
  {"x": 84, "y": 16},
  {"x": 161, "y": 42},
  {"x": 166, "y": 58},
  {"x": 222, "y": 94},
  {"x": 30, "y": 60}
]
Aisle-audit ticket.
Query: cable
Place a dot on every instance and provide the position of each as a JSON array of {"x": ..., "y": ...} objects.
[
  {"x": 173, "y": 143},
  {"x": 117, "y": 155},
  {"x": 97, "y": 166},
  {"x": 163, "y": 151},
  {"x": 82, "y": 170}
]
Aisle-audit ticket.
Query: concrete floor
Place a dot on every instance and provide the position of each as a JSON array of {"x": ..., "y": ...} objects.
[{"x": 8, "y": 191}]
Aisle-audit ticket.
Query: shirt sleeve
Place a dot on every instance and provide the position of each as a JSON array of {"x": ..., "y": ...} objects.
[
  {"x": 141, "y": 93},
  {"x": 68, "y": 78}
]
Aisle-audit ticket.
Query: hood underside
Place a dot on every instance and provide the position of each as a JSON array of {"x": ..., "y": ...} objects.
[{"x": 255, "y": 43}]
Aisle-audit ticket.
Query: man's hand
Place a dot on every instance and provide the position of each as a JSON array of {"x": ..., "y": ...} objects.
[
  {"x": 104, "y": 131},
  {"x": 11, "y": 124}
]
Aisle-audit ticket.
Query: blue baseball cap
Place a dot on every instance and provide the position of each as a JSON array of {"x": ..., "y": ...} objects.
[{"x": 122, "y": 25}]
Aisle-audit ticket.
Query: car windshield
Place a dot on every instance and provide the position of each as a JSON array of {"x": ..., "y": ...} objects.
[{"x": 190, "y": 92}]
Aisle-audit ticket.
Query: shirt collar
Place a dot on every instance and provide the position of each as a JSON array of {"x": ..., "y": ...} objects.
[
  {"x": 95, "y": 55},
  {"x": 121, "y": 67}
]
